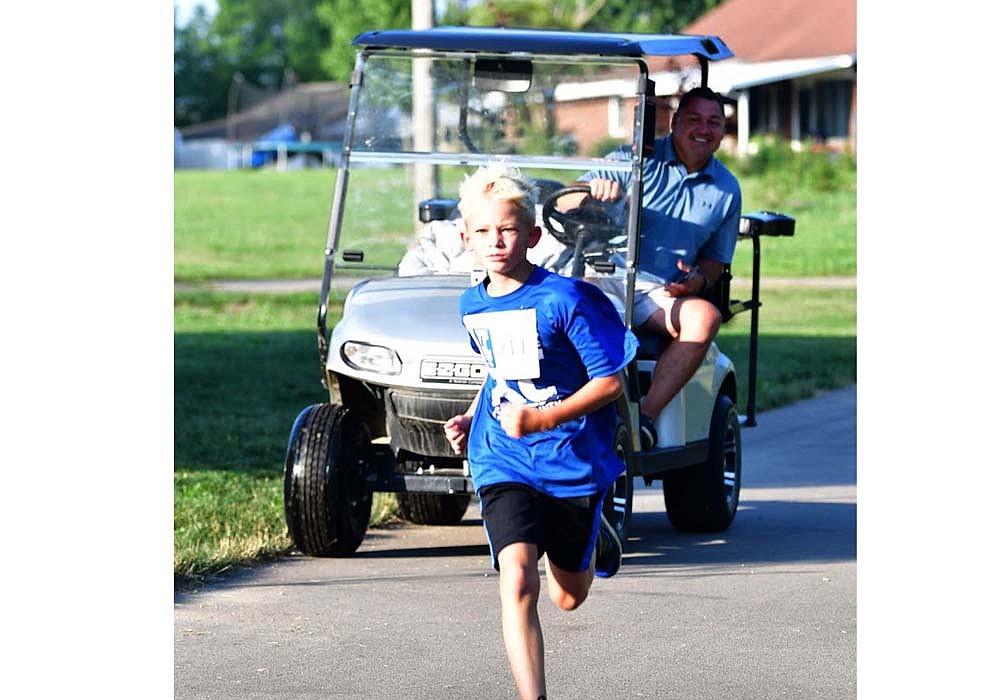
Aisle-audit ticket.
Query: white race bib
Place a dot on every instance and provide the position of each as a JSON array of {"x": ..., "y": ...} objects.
[{"x": 508, "y": 341}]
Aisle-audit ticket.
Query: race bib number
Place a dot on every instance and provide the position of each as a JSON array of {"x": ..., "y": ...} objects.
[{"x": 508, "y": 342}]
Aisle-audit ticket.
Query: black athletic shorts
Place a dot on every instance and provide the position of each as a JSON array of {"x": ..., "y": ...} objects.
[{"x": 563, "y": 528}]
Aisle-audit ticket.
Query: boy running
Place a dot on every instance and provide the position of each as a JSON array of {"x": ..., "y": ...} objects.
[{"x": 540, "y": 433}]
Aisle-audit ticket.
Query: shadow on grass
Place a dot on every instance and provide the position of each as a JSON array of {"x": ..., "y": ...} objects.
[
  {"x": 236, "y": 396},
  {"x": 791, "y": 367}
]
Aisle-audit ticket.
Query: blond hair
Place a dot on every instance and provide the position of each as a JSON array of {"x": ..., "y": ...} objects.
[{"x": 500, "y": 181}]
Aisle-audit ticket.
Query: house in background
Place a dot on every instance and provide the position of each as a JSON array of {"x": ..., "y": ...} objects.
[
  {"x": 301, "y": 125},
  {"x": 795, "y": 68},
  {"x": 793, "y": 75}
]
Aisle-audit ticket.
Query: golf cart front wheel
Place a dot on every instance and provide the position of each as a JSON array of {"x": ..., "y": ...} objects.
[
  {"x": 704, "y": 498},
  {"x": 327, "y": 498}
]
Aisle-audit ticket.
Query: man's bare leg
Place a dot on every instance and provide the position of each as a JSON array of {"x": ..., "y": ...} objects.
[
  {"x": 522, "y": 632},
  {"x": 693, "y": 323}
]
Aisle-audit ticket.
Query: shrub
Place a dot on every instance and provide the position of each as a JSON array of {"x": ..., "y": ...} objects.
[
  {"x": 604, "y": 146},
  {"x": 782, "y": 170}
]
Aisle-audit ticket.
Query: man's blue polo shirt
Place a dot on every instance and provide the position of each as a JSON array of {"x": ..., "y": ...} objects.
[{"x": 684, "y": 215}]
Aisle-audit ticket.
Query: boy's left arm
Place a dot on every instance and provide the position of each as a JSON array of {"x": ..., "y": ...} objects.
[{"x": 517, "y": 420}]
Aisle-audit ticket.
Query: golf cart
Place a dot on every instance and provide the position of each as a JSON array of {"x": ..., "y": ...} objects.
[{"x": 427, "y": 107}]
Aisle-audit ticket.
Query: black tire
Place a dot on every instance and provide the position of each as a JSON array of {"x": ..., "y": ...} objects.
[
  {"x": 618, "y": 503},
  {"x": 327, "y": 498},
  {"x": 704, "y": 498},
  {"x": 433, "y": 508}
]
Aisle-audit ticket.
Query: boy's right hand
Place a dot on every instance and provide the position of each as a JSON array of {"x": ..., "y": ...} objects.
[{"x": 456, "y": 430}]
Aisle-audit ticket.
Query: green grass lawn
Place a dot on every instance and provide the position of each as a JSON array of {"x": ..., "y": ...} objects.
[
  {"x": 268, "y": 224},
  {"x": 807, "y": 344},
  {"x": 250, "y": 224},
  {"x": 245, "y": 365}
]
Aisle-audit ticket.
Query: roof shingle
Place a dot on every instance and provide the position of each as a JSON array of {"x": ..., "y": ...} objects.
[{"x": 770, "y": 30}]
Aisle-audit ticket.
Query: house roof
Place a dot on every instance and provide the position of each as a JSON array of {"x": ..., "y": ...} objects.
[
  {"x": 769, "y": 30},
  {"x": 318, "y": 107}
]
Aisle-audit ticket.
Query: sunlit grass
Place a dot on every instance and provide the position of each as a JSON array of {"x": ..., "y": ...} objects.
[
  {"x": 269, "y": 224},
  {"x": 245, "y": 365}
]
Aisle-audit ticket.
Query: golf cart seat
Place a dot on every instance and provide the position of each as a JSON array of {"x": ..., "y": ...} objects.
[{"x": 439, "y": 248}]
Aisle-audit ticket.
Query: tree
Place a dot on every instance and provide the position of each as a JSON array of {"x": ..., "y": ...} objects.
[
  {"x": 269, "y": 42},
  {"x": 345, "y": 19},
  {"x": 272, "y": 42},
  {"x": 654, "y": 16},
  {"x": 201, "y": 80}
]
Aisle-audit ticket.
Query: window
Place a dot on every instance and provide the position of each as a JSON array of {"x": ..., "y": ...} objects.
[
  {"x": 619, "y": 116},
  {"x": 833, "y": 111}
]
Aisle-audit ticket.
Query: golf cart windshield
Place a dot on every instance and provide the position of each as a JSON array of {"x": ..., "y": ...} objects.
[
  {"x": 424, "y": 122},
  {"x": 456, "y": 107},
  {"x": 430, "y": 106}
]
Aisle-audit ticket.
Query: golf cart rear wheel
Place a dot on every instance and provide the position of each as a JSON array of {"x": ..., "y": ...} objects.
[
  {"x": 704, "y": 498},
  {"x": 327, "y": 498},
  {"x": 618, "y": 503},
  {"x": 432, "y": 508}
]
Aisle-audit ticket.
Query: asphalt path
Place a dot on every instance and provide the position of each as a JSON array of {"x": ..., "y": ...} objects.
[{"x": 764, "y": 610}]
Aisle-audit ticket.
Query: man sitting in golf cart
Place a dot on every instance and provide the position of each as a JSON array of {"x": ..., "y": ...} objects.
[{"x": 690, "y": 221}]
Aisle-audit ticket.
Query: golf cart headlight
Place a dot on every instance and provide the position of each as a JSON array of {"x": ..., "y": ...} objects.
[{"x": 371, "y": 358}]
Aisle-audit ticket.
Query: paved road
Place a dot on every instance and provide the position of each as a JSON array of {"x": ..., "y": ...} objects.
[{"x": 765, "y": 610}]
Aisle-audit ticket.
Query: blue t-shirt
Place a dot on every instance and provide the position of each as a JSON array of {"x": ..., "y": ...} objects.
[
  {"x": 684, "y": 215},
  {"x": 541, "y": 343}
]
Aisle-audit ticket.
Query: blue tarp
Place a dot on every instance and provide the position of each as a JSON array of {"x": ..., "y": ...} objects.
[{"x": 284, "y": 133}]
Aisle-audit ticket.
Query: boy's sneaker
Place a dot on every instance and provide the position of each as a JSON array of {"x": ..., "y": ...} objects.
[
  {"x": 608, "y": 558},
  {"x": 647, "y": 432}
]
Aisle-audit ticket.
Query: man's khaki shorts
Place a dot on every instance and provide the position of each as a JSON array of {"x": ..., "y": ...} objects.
[{"x": 649, "y": 296}]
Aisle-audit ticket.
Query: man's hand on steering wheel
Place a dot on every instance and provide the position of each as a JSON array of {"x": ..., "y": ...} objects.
[
  {"x": 601, "y": 189},
  {"x": 605, "y": 190}
]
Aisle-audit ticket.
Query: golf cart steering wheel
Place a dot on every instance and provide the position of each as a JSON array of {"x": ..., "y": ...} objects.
[{"x": 585, "y": 224}]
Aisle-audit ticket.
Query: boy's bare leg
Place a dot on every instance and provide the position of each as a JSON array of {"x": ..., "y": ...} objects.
[
  {"x": 568, "y": 589},
  {"x": 522, "y": 632},
  {"x": 693, "y": 323}
]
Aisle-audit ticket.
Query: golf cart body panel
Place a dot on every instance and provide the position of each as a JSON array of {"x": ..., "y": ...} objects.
[{"x": 416, "y": 336}]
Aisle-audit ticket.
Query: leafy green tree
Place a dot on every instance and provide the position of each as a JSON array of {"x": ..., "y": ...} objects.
[
  {"x": 201, "y": 80},
  {"x": 270, "y": 42},
  {"x": 650, "y": 15},
  {"x": 591, "y": 15},
  {"x": 345, "y": 19},
  {"x": 273, "y": 42}
]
